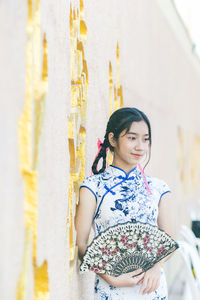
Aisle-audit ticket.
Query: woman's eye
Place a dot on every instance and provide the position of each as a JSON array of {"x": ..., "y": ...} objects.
[
  {"x": 131, "y": 138},
  {"x": 148, "y": 139}
]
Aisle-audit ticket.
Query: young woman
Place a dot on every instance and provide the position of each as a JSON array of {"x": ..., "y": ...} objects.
[{"x": 121, "y": 193}]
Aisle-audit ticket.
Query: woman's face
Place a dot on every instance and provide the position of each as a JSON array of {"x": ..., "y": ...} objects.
[{"x": 131, "y": 147}]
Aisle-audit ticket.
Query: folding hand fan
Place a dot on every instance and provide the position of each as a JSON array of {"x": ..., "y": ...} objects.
[{"x": 127, "y": 247}]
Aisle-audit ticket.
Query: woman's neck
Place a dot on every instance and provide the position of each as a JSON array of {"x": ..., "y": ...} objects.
[{"x": 125, "y": 167}]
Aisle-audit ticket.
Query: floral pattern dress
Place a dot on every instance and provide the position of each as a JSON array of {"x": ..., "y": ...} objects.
[{"x": 123, "y": 197}]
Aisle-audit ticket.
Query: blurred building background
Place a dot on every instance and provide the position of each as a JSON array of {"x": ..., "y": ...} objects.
[{"x": 65, "y": 66}]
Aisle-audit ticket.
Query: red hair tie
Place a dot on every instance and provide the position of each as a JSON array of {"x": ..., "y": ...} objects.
[{"x": 99, "y": 147}]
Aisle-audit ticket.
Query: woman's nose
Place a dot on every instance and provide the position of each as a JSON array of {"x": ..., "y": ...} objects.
[{"x": 139, "y": 145}]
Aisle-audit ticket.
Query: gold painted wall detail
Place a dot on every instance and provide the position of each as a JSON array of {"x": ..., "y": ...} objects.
[
  {"x": 77, "y": 118},
  {"x": 195, "y": 164},
  {"x": 188, "y": 159},
  {"x": 29, "y": 132},
  {"x": 115, "y": 92}
]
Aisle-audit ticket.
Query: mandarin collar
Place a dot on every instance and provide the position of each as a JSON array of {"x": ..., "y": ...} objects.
[{"x": 118, "y": 172}]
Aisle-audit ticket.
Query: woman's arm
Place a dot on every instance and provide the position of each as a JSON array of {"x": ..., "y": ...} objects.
[
  {"x": 165, "y": 222},
  {"x": 84, "y": 218},
  {"x": 165, "y": 217},
  {"x": 124, "y": 280}
]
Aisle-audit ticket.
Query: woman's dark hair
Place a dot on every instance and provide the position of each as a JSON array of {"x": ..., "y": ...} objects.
[{"x": 120, "y": 120}]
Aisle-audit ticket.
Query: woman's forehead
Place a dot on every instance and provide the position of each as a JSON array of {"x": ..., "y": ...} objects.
[{"x": 139, "y": 127}]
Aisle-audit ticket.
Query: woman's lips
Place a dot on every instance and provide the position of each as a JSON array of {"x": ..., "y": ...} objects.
[{"x": 137, "y": 155}]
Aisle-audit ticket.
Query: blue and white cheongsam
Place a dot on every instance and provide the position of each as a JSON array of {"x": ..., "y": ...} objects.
[{"x": 120, "y": 198}]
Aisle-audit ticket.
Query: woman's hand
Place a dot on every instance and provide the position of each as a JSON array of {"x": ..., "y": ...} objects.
[
  {"x": 151, "y": 280},
  {"x": 124, "y": 280}
]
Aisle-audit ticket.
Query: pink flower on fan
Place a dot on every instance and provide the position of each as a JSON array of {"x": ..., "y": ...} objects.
[
  {"x": 146, "y": 239},
  {"x": 124, "y": 239},
  {"x": 103, "y": 263},
  {"x": 149, "y": 249},
  {"x": 133, "y": 245},
  {"x": 161, "y": 250},
  {"x": 94, "y": 268},
  {"x": 105, "y": 250},
  {"x": 114, "y": 251}
]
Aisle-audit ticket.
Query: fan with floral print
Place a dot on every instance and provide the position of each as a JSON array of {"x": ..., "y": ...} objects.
[{"x": 127, "y": 247}]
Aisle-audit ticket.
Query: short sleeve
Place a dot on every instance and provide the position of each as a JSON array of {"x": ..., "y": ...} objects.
[
  {"x": 163, "y": 189},
  {"x": 90, "y": 184}
]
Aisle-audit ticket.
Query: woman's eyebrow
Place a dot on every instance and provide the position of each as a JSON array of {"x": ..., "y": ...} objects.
[{"x": 129, "y": 132}]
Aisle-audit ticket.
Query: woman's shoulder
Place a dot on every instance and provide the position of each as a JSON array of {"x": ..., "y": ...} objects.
[
  {"x": 157, "y": 183},
  {"x": 91, "y": 179},
  {"x": 94, "y": 180},
  {"x": 93, "y": 183},
  {"x": 97, "y": 178},
  {"x": 155, "y": 179}
]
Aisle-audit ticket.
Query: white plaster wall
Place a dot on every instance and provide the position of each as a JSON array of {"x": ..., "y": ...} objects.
[
  {"x": 159, "y": 75},
  {"x": 12, "y": 91}
]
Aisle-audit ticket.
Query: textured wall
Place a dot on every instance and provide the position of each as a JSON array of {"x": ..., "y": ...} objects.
[{"x": 98, "y": 56}]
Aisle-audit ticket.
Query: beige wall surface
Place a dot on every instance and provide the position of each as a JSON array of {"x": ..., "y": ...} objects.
[{"x": 157, "y": 73}]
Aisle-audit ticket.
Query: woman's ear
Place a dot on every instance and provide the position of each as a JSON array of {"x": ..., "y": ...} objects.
[{"x": 111, "y": 139}]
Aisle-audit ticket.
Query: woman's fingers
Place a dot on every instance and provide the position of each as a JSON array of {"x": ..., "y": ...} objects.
[
  {"x": 149, "y": 286},
  {"x": 128, "y": 279},
  {"x": 134, "y": 278},
  {"x": 151, "y": 280},
  {"x": 144, "y": 285},
  {"x": 138, "y": 278},
  {"x": 135, "y": 273},
  {"x": 155, "y": 286},
  {"x": 141, "y": 280}
]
